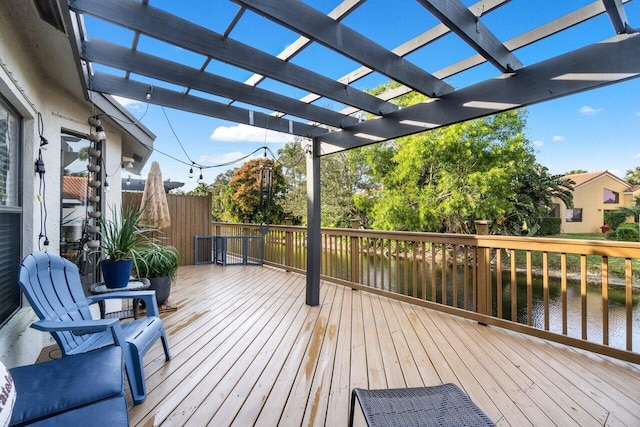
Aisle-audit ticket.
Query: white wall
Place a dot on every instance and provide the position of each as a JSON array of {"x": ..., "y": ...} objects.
[{"x": 24, "y": 86}]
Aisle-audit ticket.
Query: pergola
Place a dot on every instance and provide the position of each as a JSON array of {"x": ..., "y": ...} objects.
[{"x": 360, "y": 117}]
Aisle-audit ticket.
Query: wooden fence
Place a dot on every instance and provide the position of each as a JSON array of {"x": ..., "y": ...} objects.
[{"x": 190, "y": 217}]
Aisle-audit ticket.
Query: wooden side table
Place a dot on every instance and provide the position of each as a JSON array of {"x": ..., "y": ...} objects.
[{"x": 133, "y": 285}]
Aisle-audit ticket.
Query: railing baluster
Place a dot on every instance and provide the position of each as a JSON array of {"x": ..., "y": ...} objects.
[
  {"x": 514, "y": 287},
  {"x": 423, "y": 268},
  {"x": 443, "y": 273},
  {"x": 605, "y": 300},
  {"x": 465, "y": 278},
  {"x": 433, "y": 272},
  {"x": 529, "y": 290},
  {"x": 545, "y": 288},
  {"x": 563, "y": 290},
  {"x": 454, "y": 276},
  {"x": 499, "y": 283},
  {"x": 583, "y": 294},
  {"x": 629, "y": 302}
]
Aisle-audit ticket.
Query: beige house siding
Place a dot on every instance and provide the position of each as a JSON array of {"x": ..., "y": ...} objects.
[{"x": 589, "y": 195}]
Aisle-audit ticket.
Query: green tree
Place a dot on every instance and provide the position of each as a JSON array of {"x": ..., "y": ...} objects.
[
  {"x": 534, "y": 190},
  {"x": 633, "y": 176},
  {"x": 221, "y": 196},
  {"x": 576, "y": 172},
  {"x": 245, "y": 199},
  {"x": 445, "y": 179},
  {"x": 341, "y": 176}
]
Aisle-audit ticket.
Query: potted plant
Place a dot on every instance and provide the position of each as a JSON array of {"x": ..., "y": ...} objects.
[
  {"x": 159, "y": 264},
  {"x": 122, "y": 235}
]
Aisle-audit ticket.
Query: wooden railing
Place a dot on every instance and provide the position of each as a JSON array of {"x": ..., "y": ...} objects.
[{"x": 563, "y": 290}]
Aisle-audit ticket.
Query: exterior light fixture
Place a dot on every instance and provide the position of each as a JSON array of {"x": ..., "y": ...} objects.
[
  {"x": 129, "y": 180},
  {"x": 201, "y": 178},
  {"x": 191, "y": 172},
  {"x": 106, "y": 186},
  {"x": 149, "y": 93}
]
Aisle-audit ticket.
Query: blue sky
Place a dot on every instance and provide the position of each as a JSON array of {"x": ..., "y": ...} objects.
[{"x": 594, "y": 130}]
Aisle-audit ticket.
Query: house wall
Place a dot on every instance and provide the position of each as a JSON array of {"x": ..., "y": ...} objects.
[
  {"x": 590, "y": 197},
  {"x": 27, "y": 89}
]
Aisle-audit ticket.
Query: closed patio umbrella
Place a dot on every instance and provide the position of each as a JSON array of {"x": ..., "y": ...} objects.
[{"x": 154, "y": 200}]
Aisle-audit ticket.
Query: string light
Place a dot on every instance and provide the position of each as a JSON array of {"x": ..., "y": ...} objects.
[
  {"x": 129, "y": 180},
  {"x": 201, "y": 178},
  {"x": 106, "y": 186},
  {"x": 191, "y": 172}
]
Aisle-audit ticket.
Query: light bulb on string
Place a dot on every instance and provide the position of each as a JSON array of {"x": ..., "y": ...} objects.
[
  {"x": 201, "y": 178},
  {"x": 100, "y": 133},
  {"x": 106, "y": 187},
  {"x": 191, "y": 172},
  {"x": 129, "y": 180}
]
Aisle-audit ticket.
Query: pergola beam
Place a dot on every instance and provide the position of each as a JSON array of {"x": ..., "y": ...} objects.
[
  {"x": 468, "y": 27},
  {"x": 340, "y": 12},
  {"x": 106, "y": 83},
  {"x": 618, "y": 16},
  {"x": 600, "y": 64},
  {"x": 187, "y": 35},
  {"x": 319, "y": 27},
  {"x": 112, "y": 55}
]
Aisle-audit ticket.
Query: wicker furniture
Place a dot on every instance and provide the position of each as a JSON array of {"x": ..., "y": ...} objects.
[{"x": 443, "y": 405}]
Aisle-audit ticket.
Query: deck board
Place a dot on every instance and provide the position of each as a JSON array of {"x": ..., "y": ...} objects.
[{"x": 248, "y": 351}]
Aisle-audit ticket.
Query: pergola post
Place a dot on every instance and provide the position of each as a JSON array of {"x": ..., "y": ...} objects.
[{"x": 314, "y": 245}]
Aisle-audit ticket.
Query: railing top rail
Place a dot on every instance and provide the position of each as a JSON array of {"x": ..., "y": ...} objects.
[{"x": 542, "y": 244}]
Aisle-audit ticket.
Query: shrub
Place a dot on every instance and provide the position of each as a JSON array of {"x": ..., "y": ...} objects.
[
  {"x": 627, "y": 232},
  {"x": 549, "y": 226},
  {"x": 614, "y": 218}
]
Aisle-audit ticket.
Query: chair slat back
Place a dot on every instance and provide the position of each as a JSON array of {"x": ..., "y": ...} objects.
[{"x": 53, "y": 288}]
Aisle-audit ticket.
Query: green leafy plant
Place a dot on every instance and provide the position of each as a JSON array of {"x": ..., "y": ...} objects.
[
  {"x": 158, "y": 261},
  {"x": 123, "y": 236}
]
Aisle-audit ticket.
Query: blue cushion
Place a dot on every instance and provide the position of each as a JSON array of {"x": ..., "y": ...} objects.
[{"x": 50, "y": 388}]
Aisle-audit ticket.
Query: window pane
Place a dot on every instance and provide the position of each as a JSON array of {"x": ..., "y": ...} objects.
[
  {"x": 10, "y": 217},
  {"x": 574, "y": 215},
  {"x": 9, "y": 157},
  {"x": 611, "y": 196}
]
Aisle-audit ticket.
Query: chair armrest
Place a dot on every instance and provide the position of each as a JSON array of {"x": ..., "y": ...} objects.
[
  {"x": 149, "y": 298},
  {"x": 80, "y": 327}
]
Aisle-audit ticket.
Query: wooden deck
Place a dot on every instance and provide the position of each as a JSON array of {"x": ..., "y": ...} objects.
[{"x": 248, "y": 351}]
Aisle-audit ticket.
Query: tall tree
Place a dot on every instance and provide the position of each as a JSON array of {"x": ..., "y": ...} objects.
[
  {"x": 633, "y": 176},
  {"x": 341, "y": 176},
  {"x": 443, "y": 180},
  {"x": 221, "y": 195},
  {"x": 248, "y": 197}
]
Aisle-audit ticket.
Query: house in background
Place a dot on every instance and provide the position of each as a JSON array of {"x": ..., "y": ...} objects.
[
  {"x": 42, "y": 99},
  {"x": 594, "y": 194}
]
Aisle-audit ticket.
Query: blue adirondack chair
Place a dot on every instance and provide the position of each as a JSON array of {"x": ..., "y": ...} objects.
[{"x": 52, "y": 286}]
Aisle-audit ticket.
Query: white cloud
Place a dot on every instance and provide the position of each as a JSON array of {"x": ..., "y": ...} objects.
[
  {"x": 637, "y": 156},
  {"x": 559, "y": 138},
  {"x": 246, "y": 133},
  {"x": 126, "y": 102},
  {"x": 207, "y": 159},
  {"x": 589, "y": 111},
  {"x": 538, "y": 143}
]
